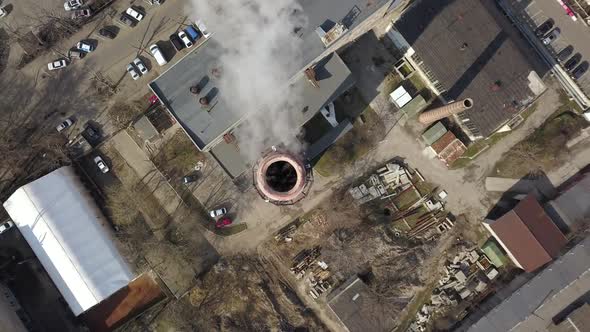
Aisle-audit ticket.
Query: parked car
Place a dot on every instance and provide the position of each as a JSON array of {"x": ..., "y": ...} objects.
[
  {"x": 158, "y": 55},
  {"x": 572, "y": 62},
  {"x": 542, "y": 29},
  {"x": 73, "y": 4},
  {"x": 565, "y": 53},
  {"x": 85, "y": 46},
  {"x": 57, "y": 64},
  {"x": 131, "y": 70},
  {"x": 101, "y": 164},
  {"x": 107, "y": 33},
  {"x": 217, "y": 212},
  {"x": 193, "y": 33},
  {"x": 176, "y": 42},
  {"x": 3, "y": 11},
  {"x": 91, "y": 134},
  {"x": 134, "y": 14},
  {"x": 126, "y": 20},
  {"x": 140, "y": 65},
  {"x": 580, "y": 70},
  {"x": 551, "y": 36},
  {"x": 81, "y": 13},
  {"x": 185, "y": 39},
  {"x": 5, "y": 226},
  {"x": 189, "y": 179},
  {"x": 65, "y": 124},
  {"x": 154, "y": 2},
  {"x": 223, "y": 222},
  {"x": 75, "y": 53}
]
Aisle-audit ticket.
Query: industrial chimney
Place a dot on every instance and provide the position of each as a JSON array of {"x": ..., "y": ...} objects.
[
  {"x": 281, "y": 177},
  {"x": 444, "y": 111}
]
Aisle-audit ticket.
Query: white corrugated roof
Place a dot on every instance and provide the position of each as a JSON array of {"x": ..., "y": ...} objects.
[{"x": 68, "y": 234}]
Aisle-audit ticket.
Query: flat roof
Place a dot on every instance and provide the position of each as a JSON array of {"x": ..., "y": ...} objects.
[
  {"x": 533, "y": 306},
  {"x": 359, "y": 309},
  {"x": 203, "y": 124},
  {"x": 465, "y": 46},
  {"x": 326, "y": 12},
  {"x": 66, "y": 231}
]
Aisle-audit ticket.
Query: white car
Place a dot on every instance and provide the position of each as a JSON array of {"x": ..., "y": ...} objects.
[
  {"x": 131, "y": 70},
  {"x": 57, "y": 64},
  {"x": 72, "y": 4},
  {"x": 158, "y": 55},
  {"x": 218, "y": 212},
  {"x": 67, "y": 122},
  {"x": 134, "y": 14},
  {"x": 140, "y": 65},
  {"x": 101, "y": 164},
  {"x": 3, "y": 11},
  {"x": 6, "y": 226},
  {"x": 185, "y": 39},
  {"x": 84, "y": 46}
]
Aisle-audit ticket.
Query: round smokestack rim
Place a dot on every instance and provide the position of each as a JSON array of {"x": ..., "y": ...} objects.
[{"x": 468, "y": 103}]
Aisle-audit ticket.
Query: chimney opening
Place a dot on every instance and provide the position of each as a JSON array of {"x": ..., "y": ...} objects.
[
  {"x": 467, "y": 103},
  {"x": 281, "y": 176},
  {"x": 195, "y": 89},
  {"x": 204, "y": 101}
]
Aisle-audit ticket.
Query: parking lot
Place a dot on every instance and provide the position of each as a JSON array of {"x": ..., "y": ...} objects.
[{"x": 573, "y": 33}]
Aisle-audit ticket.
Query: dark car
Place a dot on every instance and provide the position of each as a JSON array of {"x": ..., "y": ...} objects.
[
  {"x": 91, "y": 134},
  {"x": 572, "y": 62},
  {"x": 580, "y": 70},
  {"x": 126, "y": 20},
  {"x": 176, "y": 42},
  {"x": 565, "y": 53},
  {"x": 189, "y": 179},
  {"x": 542, "y": 29},
  {"x": 107, "y": 33}
]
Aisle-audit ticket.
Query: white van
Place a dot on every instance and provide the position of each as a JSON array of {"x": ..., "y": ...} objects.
[{"x": 158, "y": 55}]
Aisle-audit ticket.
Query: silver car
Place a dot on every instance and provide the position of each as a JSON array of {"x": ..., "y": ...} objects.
[
  {"x": 101, "y": 164},
  {"x": 67, "y": 123},
  {"x": 551, "y": 36},
  {"x": 140, "y": 65},
  {"x": 217, "y": 212},
  {"x": 131, "y": 70}
]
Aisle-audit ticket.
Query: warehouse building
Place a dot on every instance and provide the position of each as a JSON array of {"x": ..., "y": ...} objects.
[{"x": 467, "y": 49}]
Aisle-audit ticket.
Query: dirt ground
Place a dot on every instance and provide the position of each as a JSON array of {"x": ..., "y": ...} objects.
[{"x": 359, "y": 240}]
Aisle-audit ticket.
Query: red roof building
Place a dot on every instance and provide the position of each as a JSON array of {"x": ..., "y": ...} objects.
[
  {"x": 448, "y": 148},
  {"x": 528, "y": 235}
]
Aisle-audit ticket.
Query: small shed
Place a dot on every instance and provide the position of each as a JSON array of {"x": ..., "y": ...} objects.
[
  {"x": 400, "y": 97},
  {"x": 494, "y": 253},
  {"x": 434, "y": 133}
]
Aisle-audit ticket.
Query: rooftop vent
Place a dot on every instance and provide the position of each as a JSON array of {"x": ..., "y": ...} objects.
[
  {"x": 195, "y": 90},
  {"x": 310, "y": 74},
  {"x": 330, "y": 36},
  {"x": 204, "y": 101}
]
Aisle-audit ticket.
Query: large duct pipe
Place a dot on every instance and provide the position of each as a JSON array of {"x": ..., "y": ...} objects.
[{"x": 444, "y": 111}]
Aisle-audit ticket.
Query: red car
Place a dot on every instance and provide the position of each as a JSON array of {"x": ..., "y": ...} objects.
[{"x": 223, "y": 222}]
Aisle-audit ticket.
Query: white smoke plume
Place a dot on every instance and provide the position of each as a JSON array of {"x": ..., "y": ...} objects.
[{"x": 262, "y": 52}]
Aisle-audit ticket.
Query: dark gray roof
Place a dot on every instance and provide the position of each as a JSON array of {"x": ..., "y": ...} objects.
[
  {"x": 333, "y": 77},
  {"x": 203, "y": 124},
  {"x": 358, "y": 308},
  {"x": 229, "y": 157},
  {"x": 326, "y": 12},
  {"x": 533, "y": 306},
  {"x": 438, "y": 30}
]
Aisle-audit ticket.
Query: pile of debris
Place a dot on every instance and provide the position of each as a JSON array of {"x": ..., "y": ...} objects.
[
  {"x": 388, "y": 181},
  {"x": 319, "y": 278},
  {"x": 466, "y": 278}
]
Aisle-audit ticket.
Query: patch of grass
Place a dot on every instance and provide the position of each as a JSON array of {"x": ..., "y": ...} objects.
[
  {"x": 543, "y": 150},
  {"x": 415, "y": 305},
  {"x": 567, "y": 104},
  {"x": 177, "y": 157},
  {"x": 477, "y": 147},
  {"x": 352, "y": 146},
  {"x": 405, "y": 199},
  {"x": 424, "y": 187},
  {"x": 413, "y": 219}
]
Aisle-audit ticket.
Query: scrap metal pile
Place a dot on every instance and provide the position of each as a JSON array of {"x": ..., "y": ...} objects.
[
  {"x": 466, "y": 278},
  {"x": 388, "y": 181},
  {"x": 318, "y": 277}
]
